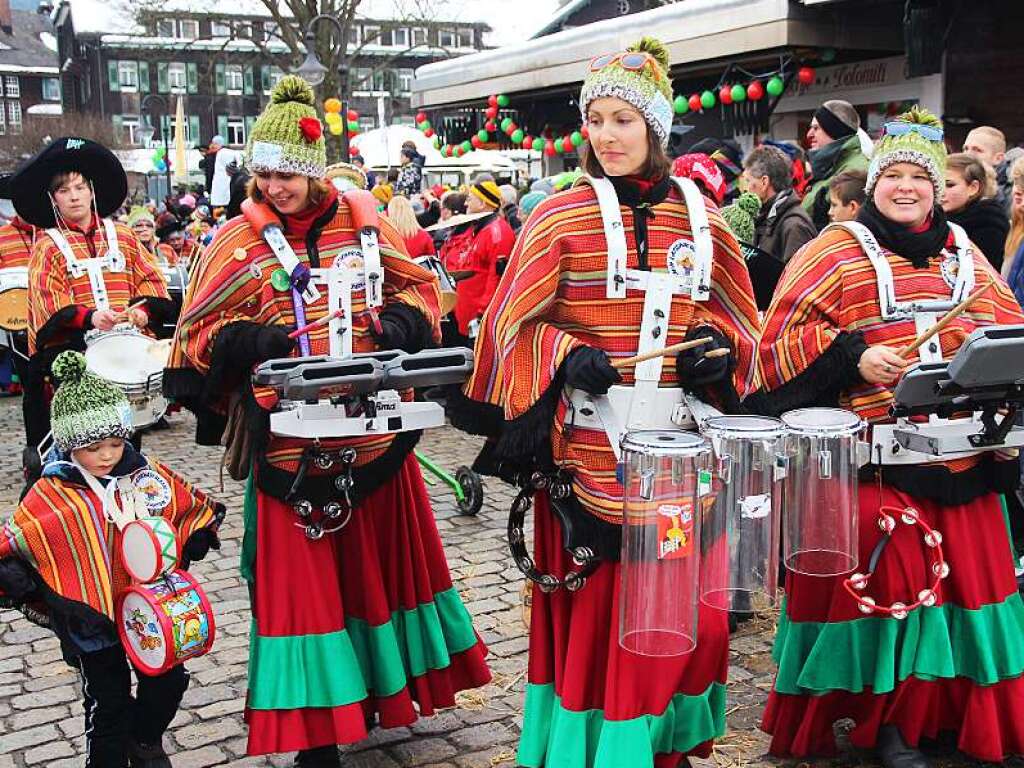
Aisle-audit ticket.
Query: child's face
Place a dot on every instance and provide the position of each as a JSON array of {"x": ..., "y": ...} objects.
[
  {"x": 99, "y": 458},
  {"x": 839, "y": 211}
]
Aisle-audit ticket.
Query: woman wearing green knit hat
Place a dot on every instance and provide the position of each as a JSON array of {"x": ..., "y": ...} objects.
[
  {"x": 906, "y": 661},
  {"x": 340, "y": 549}
]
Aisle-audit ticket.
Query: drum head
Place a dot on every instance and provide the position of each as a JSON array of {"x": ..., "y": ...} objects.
[
  {"x": 123, "y": 357},
  {"x": 142, "y": 633},
  {"x": 140, "y": 552},
  {"x": 14, "y": 309},
  {"x": 822, "y": 421},
  {"x": 664, "y": 442},
  {"x": 753, "y": 427}
]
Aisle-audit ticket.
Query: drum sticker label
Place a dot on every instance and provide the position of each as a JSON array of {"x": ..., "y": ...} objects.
[
  {"x": 755, "y": 507},
  {"x": 155, "y": 489},
  {"x": 675, "y": 531},
  {"x": 681, "y": 259},
  {"x": 950, "y": 267},
  {"x": 703, "y": 482},
  {"x": 144, "y": 628},
  {"x": 351, "y": 259}
]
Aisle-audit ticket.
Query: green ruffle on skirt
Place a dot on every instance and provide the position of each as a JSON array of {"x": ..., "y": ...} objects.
[
  {"x": 338, "y": 668},
  {"x": 944, "y": 641},
  {"x": 556, "y": 737}
]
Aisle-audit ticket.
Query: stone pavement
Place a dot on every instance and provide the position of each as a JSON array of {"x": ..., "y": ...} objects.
[{"x": 41, "y": 715}]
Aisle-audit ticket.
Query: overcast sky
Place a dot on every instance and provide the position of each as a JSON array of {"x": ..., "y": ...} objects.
[{"x": 514, "y": 20}]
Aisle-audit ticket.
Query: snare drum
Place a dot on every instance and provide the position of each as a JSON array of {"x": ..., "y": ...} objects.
[
  {"x": 177, "y": 283},
  {"x": 666, "y": 482},
  {"x": 165, "y": 623},
  {"x": 135, "y": 363},
  {"x": 820, "y": 488},
  {"x": 444, "y": 279},
  {"x": 14, "y": 299},
  {"x": 149, "y": 547},
  {"x": 740, "y": 554}
]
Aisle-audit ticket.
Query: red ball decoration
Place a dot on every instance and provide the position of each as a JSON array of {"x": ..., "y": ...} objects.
[
  {"x": 585, "y": 131},
  {"x": 550, "y": 150},
  {"x": 491, "y": 113},
  {"x": 475, "y": 141},
  {"x": 420, "y": 117},
  {"x": 755, "y": 91},
  {"x": 353, "y": 115},
  {"x": 694, "y": 102},
  {"x": 528, "y": 142},
  {"x": 429, "y": 133},
  {"x": 492, "y": 101},
  {"x": 725, "y": 94},
  {"x": 805, "y": 75},
  {"x": 512, "y": 128},
  {"x": 490, "y": 126},
  {"x": 353, "y": 150}
]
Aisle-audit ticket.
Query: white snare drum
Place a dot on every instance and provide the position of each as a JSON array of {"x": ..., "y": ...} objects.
[
  {"x": 149, "y": 547},
  {"x": 14, "y": 299},
  {"x": 135, "y": 363},
  {"x": 165, "y": 623},
  {"x": 820, "y": 515}
]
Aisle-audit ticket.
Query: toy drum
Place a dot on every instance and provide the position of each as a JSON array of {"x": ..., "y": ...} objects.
[
  {"x": 133, "y": 362},
  {"x": 149, "y": 547},
  {"x": 740, "y": 546},
  {"x": 165, "y": 623},
  {"x": 14, "y": 299},
  {"x": 666, "y": 479},
  {"x": 820, "y": 491}
]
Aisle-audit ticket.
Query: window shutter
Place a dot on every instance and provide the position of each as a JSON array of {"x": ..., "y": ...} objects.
[
  {"x": 265, "y": 78},
  {"x": 218, "y": 77},
  {"x": 222, "y": 126},
  {"x": 112, "y": 76},
  {"x": 143, "y": 77},
  {"x": 249, "y": 123},
  {"x": 249, "y": 87},
  {"x": 192, "y": 74},
  {"x": 162, "y": 83},
  {"x": 193, "y": 129}
]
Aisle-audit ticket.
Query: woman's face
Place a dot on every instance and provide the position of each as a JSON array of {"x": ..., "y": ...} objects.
[
  {"x": 1018, "y": 199},
  {"x": 144, "y": 231},
  {"x": 287, "y": 192},
  {"x": 904, "y": 194},
  {"x": 618, "y": 136},
  {"x": 958, "y": 191}
]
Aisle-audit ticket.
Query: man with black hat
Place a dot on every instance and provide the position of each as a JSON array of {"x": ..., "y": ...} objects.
[
  {"x": 86, "y": 272},
  {"x": 837, "y": 144}
]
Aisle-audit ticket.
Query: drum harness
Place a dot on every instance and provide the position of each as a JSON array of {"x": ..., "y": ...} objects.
[
  {"x": 113, "y": 260},
  {"x": 644, "y": 405}
]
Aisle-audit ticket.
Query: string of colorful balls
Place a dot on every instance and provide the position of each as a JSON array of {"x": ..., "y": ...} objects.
[{"x": 335, "y": 122}]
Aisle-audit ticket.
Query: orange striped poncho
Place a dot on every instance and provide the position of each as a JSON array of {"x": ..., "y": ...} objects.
[
  {"x": 552, "y": 299},
  {"x": 232, "y": 283},
  {"x": 16, "y": 240},
  {"x": 60, "y": 530}
]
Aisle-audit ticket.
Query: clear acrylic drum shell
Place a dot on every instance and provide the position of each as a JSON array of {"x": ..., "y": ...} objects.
[
  {"x": 666, "y": 481},
  {"x": 820, "y": 491},
  {"x": 127, "y": 358},
  {"x": 740, "y": 536}
]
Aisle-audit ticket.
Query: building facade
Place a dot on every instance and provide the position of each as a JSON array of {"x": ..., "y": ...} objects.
[{"x": 29, "y": 79}]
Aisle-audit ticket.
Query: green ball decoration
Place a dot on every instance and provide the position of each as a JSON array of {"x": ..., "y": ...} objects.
[
  {"x": 576, "y": 138},
  {"x": 707, "y": 100},
  {"x": 540, "y": 144},
  {"x": 353, "y": 126},
  {"x": 680, "y": 105},
  {"x": 505, "y": 124},
  {"x": 437, "y": 142},
  {"x": 466, "y": 146},
  {"x": 425, "y": 125},
  {"x": 775, "y": 86},
  {"x": 483, "y": 135},
  {"x": 559, "y": 146},
  {"x": 739, "y": 93},
  {"x": 518, "y": 136},
  {"x": 503, "y": 100}
]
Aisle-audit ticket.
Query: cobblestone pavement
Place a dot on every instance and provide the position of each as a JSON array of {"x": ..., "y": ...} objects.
[{"x": 41, "y": 717}]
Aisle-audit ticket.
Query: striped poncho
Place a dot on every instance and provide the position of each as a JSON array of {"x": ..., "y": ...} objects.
[
  {"x": 552, "y": 300},
  {"x": 16, "y": 240}
]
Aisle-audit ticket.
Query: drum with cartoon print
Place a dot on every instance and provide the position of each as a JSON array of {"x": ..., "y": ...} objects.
[
  {"x": 165, "y": 623},
  {"x": 149, "y": 547}
]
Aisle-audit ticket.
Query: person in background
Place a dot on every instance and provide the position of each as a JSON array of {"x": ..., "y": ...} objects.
[
  {"x": 728, "y": 157},
  {"x": 969, "y": 200},
  {"x": 510, "y": 206},
  {"x": 846, "y": 195},
  {"x": 782, "y": 226},
  {"x": 431, "y": 213},
  {"x": 417, "y": 241},
  {"x": 837, "y": 144},
  {"x": 764, "y": 269},
  {"x": 452, "y": 204},
  {"x": 410, "y": 178},
  {"x": 209, "y": 161},
  {"x": 144, "y": 226},
  {"x": 383, "y": 193},
  {"x": 1013, "y": 263},
  {"x": 527, "y": 203},
  {"x": 371, "y": 177},
  {"x": 988, "y": 144},
  {"x": 799, "y": 164},
  {"x": 704, "y": 172},
  {"x": 182, "y": 249}
]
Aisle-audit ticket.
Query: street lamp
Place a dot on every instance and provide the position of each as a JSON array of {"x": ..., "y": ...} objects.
[
  {"x": 314, "y": 72},
  {"x": 147, "y": 133}
]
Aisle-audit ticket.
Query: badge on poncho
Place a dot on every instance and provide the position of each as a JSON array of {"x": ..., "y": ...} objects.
[
  {"x": 154, "y": 487},
  {"x": 280, "y": 280},
  {"x": 681, "y": 258},
  {"x": 950, "y": 268},
  {"x": 351, "y": 259}
]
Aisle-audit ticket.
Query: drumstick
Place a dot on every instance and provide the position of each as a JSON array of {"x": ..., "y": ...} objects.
[
  {"x": 717, "y": 353},
  {"x": 315, "y": 324},
  {"x": 662, "y": 352},
  {"x": 946, "y": 319}
]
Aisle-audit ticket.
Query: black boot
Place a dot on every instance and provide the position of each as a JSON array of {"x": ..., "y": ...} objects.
[
  {"x": 147, "y": 755},
  {"x": 319, "y": 757},
  {"x": 893, "y": 751}
]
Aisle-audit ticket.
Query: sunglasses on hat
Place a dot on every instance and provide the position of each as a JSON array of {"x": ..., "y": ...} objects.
[
  {"x": 632, "y": 61},
  {"x": 900, "y": 128}
]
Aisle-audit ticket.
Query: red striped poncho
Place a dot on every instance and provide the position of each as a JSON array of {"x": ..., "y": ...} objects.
[
  {"x": 16, "y": 240},
  {"x": 60, "y": 530},
  {"x": 552, "y": 300},
  {"x": 52, "y": 288}
]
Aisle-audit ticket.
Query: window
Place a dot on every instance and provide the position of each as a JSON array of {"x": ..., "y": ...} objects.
[
  {"x": 382, "y": 80},
  {"x": 362, "y": 79},
  {"x": 420, "y": 36},
  {"x": 51, "y": 89},
  {"x": 189, "y": 29},
  {"x": 128, "y": 75},
  {"x": 13, "y": 87},
  {"x": 274, "y": 75},
  {"x": 14, "y": 116},
  {"x": 236, "y": 130},
  {"x": 271, "y": 30},
  {"x": 130, "y": 125},
  {"x": 353, "y": 35},
  {"x": 165, "y": 28},
  {"x": 367, "y": 123},
  {"x": 3, "y": 121},
  {"x": 233, "y": 78},
  {"x": 465, "y": 38},
  {"x": 405, "y": 80},
  {"x": 400, "y": 38},
  {"x": 371, "y": 35},
  {"x": 177, "y": 77},
  {"x": 220, "y": 29},
  {"x": 243, "y": 30},
  {"x": 446, "y": 38}
]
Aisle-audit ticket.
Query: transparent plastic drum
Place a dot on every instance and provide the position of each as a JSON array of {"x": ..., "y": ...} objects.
[
  {"x": 820, "y": 490},
  {"x": 739, "y": 537},
  {"x": 667, "y": 478}
]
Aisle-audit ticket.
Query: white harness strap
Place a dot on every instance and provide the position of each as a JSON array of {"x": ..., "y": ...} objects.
[
  {"x": 112, "y": 260},
  {"x": 372, "y": 268},
  {"x": 274, "y": 237},
  {"x": 615, "y": 237},
  {"x": 339, "y": 281}
]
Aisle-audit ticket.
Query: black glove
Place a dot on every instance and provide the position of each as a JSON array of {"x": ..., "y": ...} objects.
[
  {"x": 244, "y": 343},
  {"x": 17, "y": 581},
  {"x": 589, "y": 369},
  {"x": 198, "y": 546},
  {"x": 694, "y": 369},
  {"x": 402, "y": 327}
]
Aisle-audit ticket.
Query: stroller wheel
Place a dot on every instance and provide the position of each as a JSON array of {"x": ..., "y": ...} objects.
[{"x": 472, "y": 488}]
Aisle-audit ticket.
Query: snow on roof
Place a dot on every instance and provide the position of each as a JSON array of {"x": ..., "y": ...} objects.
[
  {"x": 45, "y": 109},
  {"x": 100, "y": 16}
]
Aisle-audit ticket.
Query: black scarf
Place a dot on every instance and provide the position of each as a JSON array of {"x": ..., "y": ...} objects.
[
  {"x": 641, "y": 200},
  {"x": 917, "y": 247}
]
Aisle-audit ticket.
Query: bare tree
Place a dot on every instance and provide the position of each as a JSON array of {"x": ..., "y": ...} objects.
[{"x": 39, "y": 131}]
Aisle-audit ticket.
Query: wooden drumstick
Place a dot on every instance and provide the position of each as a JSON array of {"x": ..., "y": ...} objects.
[
  {"x": 662, "y": 352},
  {"x": 717, "y": 353},
  {"x": 315, "y": 324},
  {"x": 945, "y": 320}
]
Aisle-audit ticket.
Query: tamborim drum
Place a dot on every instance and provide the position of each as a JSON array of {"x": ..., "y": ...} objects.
[
  {"x": 135, "y": 363},
  {"x": 165, "y": 623},
  {"x": 149, "y": 547},
  {"x": 14, "y": 299}
]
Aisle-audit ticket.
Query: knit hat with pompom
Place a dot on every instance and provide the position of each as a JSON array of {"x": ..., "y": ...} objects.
[
  {"x": 288, "y": 137},
  {"x": 915, "y": 137},
  {"x": 86, "y": 408},
  {"x": 741, "y": 215},
  {"x": 647, "y": 88}
]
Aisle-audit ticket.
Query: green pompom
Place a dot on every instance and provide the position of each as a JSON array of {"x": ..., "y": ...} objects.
[
  {"x": 750, "y": 203},
  {"x": 293, "y": 88},
  {"x": 69, "y": 366},
  {"x": 653, "y": 46},
  {"x": 920, "y": 116}
]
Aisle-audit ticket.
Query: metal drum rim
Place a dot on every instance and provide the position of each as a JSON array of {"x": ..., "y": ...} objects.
[
  {"x": 856, "y": 424},
  {"x": 709, "y": 429},
  {"x": 695, "y": 444}
]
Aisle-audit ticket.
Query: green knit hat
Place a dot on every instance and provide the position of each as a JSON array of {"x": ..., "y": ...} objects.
[
  {"x": 288, "y": 137},
  {"x": 915, "y": 137},
  {"x": 741, "y": 214},
  {"x": 648, "y": 88},
  {"x": 86, "y": 408},
  {"x": 140, "y": 213}
]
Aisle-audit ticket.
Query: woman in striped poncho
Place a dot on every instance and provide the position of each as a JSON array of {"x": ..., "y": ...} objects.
[{"x": 954, "y": 667}]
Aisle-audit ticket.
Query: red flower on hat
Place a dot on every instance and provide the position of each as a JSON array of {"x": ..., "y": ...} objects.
[{"x": 311, "y": 129}]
